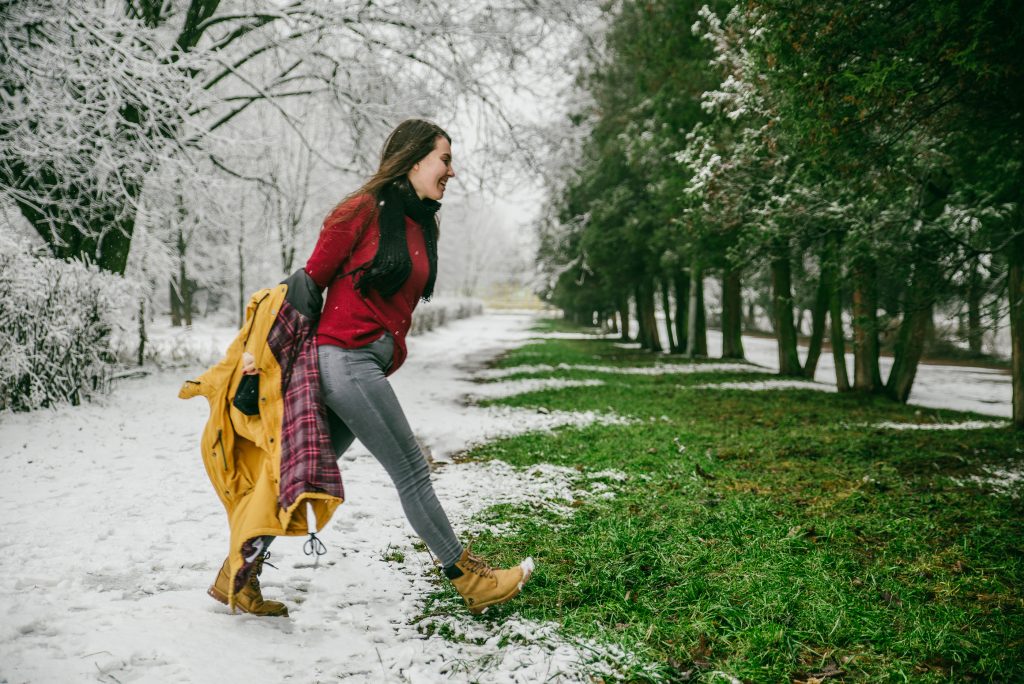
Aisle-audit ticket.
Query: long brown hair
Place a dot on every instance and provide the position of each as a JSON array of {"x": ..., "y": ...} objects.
[{"x": 411, "y": 141}]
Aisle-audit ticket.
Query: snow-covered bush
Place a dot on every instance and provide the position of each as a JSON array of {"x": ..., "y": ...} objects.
[
  {"x": 437, "y": 312},
  {"x": 56, "y": 319}
]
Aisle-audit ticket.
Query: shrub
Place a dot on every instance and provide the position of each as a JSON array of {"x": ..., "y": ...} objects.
[{"x": 56, "y": 320}]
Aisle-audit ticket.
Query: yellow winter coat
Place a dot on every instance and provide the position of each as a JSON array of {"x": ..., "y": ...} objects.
[{"x": 242, "y": 453}]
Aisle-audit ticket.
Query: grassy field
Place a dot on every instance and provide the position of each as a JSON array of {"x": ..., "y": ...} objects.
[{"x": 770, "y": 535}]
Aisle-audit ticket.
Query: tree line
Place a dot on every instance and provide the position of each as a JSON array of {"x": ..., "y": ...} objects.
[{"x": 862, "y": 162}]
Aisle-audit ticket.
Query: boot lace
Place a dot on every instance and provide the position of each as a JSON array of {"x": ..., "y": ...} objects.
[
  {"x": 478, "y": 565},
  {"x": 257, "y": 569}
]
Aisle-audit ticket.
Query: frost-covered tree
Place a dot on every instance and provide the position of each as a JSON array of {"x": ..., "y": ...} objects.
[
  {"x": 98, "y": 95},
  {"x": 92, "y": 99}
]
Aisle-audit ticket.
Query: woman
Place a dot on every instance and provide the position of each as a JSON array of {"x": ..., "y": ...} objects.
[{"x": 377, "y": 257}]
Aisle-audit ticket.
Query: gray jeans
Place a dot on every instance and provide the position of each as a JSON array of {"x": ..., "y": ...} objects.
[{"x": 362, "y": 405}]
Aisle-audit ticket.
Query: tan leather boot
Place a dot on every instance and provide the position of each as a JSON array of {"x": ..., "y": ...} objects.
[
  {"x": 482, "y": 586},
  {"x": 250, "y": 598}
]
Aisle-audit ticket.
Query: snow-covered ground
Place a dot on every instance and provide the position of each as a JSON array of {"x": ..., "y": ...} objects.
[{"x": 112, "y": 535}]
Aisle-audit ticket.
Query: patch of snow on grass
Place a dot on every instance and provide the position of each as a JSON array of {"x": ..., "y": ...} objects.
[
  {"x": 765, "y": 385},
  {"x": 963, "y": 425},
  {"x": 574, "y": 336},
  {"x": 514, "y": 387},
  {"x": 498, "y": 373},
  {"x": 508, "y": 420},
  {"x": 1006, "y": 481},
  {"x": 609, "y": 474}
]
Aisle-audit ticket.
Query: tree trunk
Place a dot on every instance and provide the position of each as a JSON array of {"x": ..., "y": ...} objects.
[
  {"x": 175, "y": 300},
  {"x": 751, "y": 316},
  {"x": 916, "y": 324},
  {"x": 184, "y": 288},
  {"x": 974, "y": 294},
  {"x": 818, "y": 314},
  {"x": 682, "y": 282},
  {"x": 835, "y": 314},
  {"x": 1015, "y": 285},
  {"x": 85, "y": 224},
  {"x": 666, "y": 304},
  {"x": 866, "y": 375},
  {"x": 700, "y": 332},
  {"x": 912, "y": 333},
  {"x": 782, "y": 313},
  {"x": 647, "y": 290},
  {"x": 241, "y": 284},
  {"x": 181, "y": 291},
  {"x": 732, "y": 315},
  {"x": 623, "y": 306},
  {"x": 691, "y": 324},
  {"x": 142, "y": 331},
  {"x": 643, "y": 333},
  {"x": 697, "y": 340}
]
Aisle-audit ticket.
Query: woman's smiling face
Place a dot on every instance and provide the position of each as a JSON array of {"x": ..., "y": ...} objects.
[{"x": 430, "y": 175}]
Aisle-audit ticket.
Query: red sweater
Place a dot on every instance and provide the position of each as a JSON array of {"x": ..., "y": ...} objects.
[{"x": 350, "y": 320}]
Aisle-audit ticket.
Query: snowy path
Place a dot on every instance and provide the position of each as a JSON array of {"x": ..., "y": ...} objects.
[{"x": 113, "y": 534}]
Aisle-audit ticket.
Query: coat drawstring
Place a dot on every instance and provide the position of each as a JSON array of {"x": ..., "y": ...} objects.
[{"x": 313, "y": 545}]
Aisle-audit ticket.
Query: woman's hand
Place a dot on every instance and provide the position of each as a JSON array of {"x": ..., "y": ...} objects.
[{"x": 248, "y": 364}]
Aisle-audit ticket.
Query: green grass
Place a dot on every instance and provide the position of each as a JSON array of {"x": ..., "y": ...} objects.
[{"x": 775, "y": 536}]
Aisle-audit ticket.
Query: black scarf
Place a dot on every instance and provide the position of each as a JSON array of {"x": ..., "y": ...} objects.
[{"x": 392, "y": 265}]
